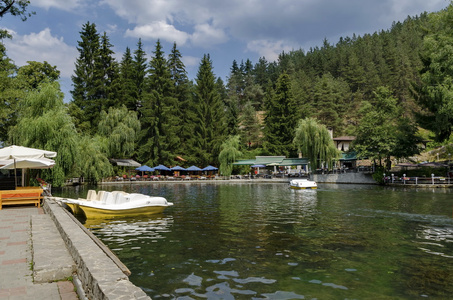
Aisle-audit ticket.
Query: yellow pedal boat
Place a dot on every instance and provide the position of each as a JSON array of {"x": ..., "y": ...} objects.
[
  {"x": 110, "y": 204},
  {"x": 303, "y": 184}
]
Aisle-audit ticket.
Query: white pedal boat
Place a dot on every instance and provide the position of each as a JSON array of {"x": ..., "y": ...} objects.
[
  {"x": 302, "y": 184},
  {"x": 117, "y": 203}
]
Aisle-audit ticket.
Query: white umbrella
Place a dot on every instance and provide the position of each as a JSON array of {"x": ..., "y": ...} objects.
[
  {"x": 28, "y": 163},
  {"x": 15, "y": 153}
]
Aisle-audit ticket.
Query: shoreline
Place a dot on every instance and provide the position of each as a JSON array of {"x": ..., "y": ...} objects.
[{"x": 267, "y": 181}]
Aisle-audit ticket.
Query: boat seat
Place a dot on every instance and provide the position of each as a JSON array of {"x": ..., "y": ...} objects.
[
  {"x": 118, "y": 192},
  {"x": 91, "y": 195},
  {"x": 133, "y": 196},
  {"x": 120, "y": 198},
  {"x": 108, "y": 198},
  {"x": 100, "y": 195},
  {"x": 156, "y": 201}
]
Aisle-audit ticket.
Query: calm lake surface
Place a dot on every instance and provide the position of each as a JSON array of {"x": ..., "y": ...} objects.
[{"x": 266, "y": 241}]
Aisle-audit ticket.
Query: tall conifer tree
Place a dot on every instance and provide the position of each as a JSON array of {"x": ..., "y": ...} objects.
[
  {"x": 85, "y": 94},
  {"x": 108, "y": 68},
  {"x": 127, "y": 95},
  {"x": 140, "y": 71},
  {"x": 181, "y": 92},
  {"x": 281, "y": 119},
  {"x": 209, "y": 117},
  {"x": 159, "y": 139}
]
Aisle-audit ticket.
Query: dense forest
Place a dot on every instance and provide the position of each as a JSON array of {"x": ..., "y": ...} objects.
[{"x": 390, "y": 89}]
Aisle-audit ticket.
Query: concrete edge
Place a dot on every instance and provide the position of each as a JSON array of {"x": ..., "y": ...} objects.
[
  {"x": 51, "y": 258},
  {"x": 100, "y": 276}
]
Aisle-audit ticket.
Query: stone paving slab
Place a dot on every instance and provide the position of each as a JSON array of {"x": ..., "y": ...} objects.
[
  {"x": 16, "y": 280},
  {"x": 52, "y": 261}
]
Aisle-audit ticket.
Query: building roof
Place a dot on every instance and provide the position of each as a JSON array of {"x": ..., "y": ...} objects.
[
  {"x": 125, "y": 163},
  {"x": 272, "y": 161},
  {"x": 344, "y": 138},
  {"x": 294, "y": 162},
  {"x": 244, "y": 162},
  {"x": 352, "y": 155}
]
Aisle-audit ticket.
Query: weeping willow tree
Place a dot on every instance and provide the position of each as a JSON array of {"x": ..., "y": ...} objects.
[
  {"x": 228, "y": 154},
  {"x": 119, "y": 128},
  {"x": 95, "y": 165},
  {"x": 314, "y": 141},
  {"x": 44, "y": 123}
]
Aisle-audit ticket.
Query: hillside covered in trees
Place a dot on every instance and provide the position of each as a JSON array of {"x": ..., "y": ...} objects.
[{"x": 381, "y": 87}]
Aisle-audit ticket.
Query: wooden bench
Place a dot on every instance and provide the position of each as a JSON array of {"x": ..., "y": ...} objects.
[{"x": 28, "y": 195}]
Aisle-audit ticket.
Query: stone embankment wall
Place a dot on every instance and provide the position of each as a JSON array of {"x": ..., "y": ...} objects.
[
  {"x": 346, "y": 178},
  {"x": 101, "y": 277},
  {"x": 349, "y": 178}
]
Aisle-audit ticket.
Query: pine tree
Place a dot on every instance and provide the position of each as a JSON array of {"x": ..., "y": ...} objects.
[
  {"x": 209, "y": 131},
  {"x": 232, "y": 99},
  {"x": 159, "y": 139},
  {"x": 127, "y": 96},
  {"x": 86, "y": 79},
  {"x": 108, "y": 68},
  {"x": 329, "y": 97},
  {"x": 181, "y": 93},
  {"x": 250, "y": 125},
  {"x": 96, "y": 79},
  {"x": 139, "y": 75},
  {"x": 260, "y": 72},
  {"x": 281, "y": 119}
]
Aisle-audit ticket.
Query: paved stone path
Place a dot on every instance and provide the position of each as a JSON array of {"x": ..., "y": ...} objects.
[{"x": 28, "y": 239}]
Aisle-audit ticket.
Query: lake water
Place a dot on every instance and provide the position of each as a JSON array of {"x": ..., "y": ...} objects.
[{"x": 266, "y": 241}]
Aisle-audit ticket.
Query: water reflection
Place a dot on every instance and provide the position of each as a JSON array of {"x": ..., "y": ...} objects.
[
  {"x": 436, "y": 240},
  {"x": 267, "y": 241}
]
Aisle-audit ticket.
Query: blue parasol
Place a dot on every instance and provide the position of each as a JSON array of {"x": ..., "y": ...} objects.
[
  {"x": 144, "y": 168},
  {"x": 210, "y": 168},
  {"x": 161, "y": 168},
  {"x": 177, "y": 168},
  {"x": 193, "y": 168}
]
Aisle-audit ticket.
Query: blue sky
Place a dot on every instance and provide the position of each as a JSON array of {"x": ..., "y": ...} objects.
[{"x": 228, "y": 30}]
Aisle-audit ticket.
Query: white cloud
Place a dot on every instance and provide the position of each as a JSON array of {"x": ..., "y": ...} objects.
[
  {"x": 42, "y": 46},
  {"x": 142, "y": 12},
  {"x": 212, "y": 22},
  {"x": 207, "y": 35},
  {"x": 191, "y": 61},
  {"x": 180, "y": 21},
  {"x": 398, "y": 10},
  {"x": 159, "y": 30},
  {"x": 269, "y": 49},
  {"x": 66, "y": 5}
]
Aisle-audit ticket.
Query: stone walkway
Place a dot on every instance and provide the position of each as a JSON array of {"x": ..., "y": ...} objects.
[{"x": 34, "y": 263}]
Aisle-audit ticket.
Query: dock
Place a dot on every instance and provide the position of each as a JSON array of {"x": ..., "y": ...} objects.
[{"x": 45, "y": 253}]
